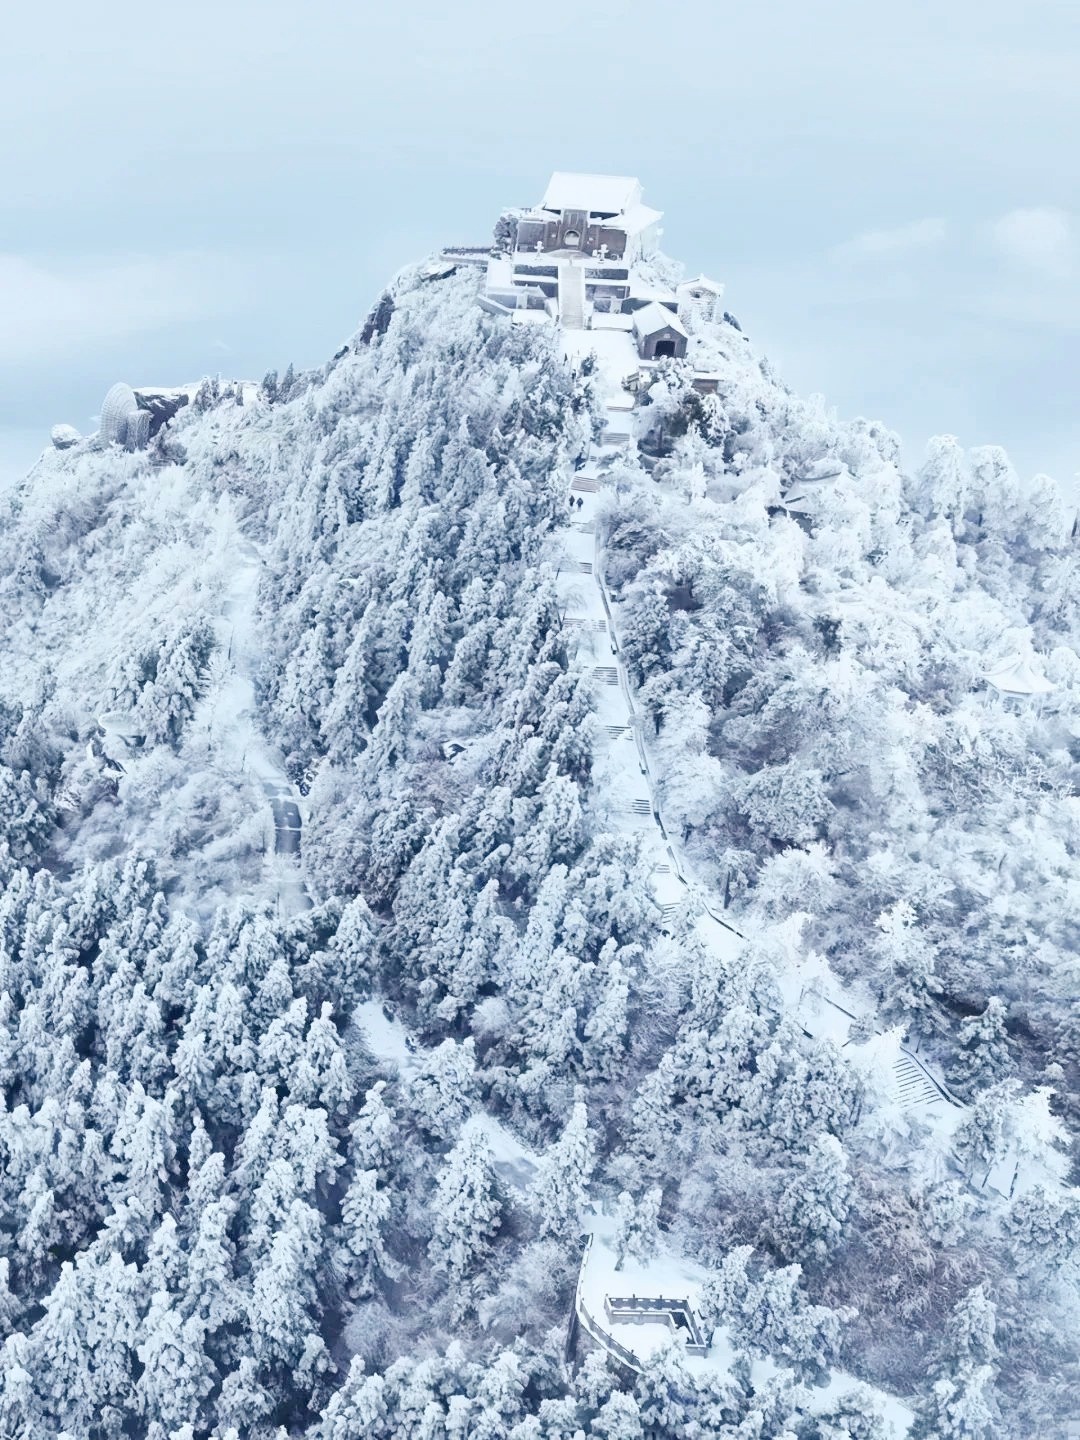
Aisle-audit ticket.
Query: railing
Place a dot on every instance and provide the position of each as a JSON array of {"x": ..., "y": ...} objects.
[
  {"x": 643, "y": 760},
  {"x": 636, "y": 1310},
  {"x": 645, "y": 1310},
  {"x": 590, "y": 1326}
]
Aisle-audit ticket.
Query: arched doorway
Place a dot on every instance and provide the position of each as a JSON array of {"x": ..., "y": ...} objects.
[
  {"x": 572, "y": 239},
  {"x": 665, "y": 350}
]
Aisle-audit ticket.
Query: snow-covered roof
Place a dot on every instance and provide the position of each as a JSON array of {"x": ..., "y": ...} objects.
[
  {"x": 702, "y": 282},
  {"x": 657, "y": 317},
  {"x": 599, "y": 194},
  {"x": 604, "y": 320},
  {"x": 1017, "y": 676},
  {"x": 638, "y": 218},
  {"x": 640, "y": 290}
]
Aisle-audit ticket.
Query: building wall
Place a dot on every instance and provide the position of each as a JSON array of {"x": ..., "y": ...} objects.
[
  {"x": 551, "y": 234},
  {"x": 648, "y": 343},
  {"x": 614, "y": 295},
  {"x": 528, "y": 233},
  {"x": 615, "y": 240}
]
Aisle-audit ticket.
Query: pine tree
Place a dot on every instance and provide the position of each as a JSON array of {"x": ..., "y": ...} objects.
[
  {"x": 813, "y": 1206},
  {"x": 619, "y": 1418},
  {"x": 467, "y": 1213},
  {"x": 243, "y": 1401},
  {"x": 637, "y": 1225},
  {"x": 665, "y": 1393},
  {"x": 177, "y": 1374},
  {"x": 961, "y": 1401},
  {"x": 364, "y": 1213},
  {"x": 909, "y": 981},
  {"x": 561, "y": 1189},
  {"x": 606, "y": 1029},
  {"x": 321, "y": 1076},
  {"x": 63, "y": 1366},
  {"x": 210, "y": 1289},
  {"x": 373, "y": 1136},
  {"x": 984, "y": 1048},
  {"x": 360, "y": 1407},
  {"x": 284, "y": 1301},
  {"x": 980, "y": 1141},
  {"x": 440, "y": 1093},
  {"x": 1044, "y": 1225}
]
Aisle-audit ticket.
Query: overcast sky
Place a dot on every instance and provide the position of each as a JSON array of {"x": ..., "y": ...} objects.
[{"x": 889, "y": 191}]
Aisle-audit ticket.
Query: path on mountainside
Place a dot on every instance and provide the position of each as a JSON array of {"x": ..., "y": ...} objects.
[
  {"x": 630, "y": 782},
  {"x": 235, "y": 733}
]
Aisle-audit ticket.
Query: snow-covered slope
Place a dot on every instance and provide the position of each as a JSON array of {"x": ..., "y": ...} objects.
[{"x": 406, "y": 864}]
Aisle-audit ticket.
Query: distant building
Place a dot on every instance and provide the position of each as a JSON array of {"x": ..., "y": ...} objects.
[
  {"x": 122, "y": 421},
  {"x": 580, "y": 258},
  {"x": 133, "y": 417},
  {"x": 595, "y": 221},
  {"x": 598, "y": 215},
  {"x": 660, "y": 333},
  {"x": 701, "y": 297}
]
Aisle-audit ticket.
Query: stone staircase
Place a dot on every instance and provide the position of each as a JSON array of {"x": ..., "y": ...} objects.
[
  {"x": 571, "y": 296},
  {"x": 912, "y": 1084}
]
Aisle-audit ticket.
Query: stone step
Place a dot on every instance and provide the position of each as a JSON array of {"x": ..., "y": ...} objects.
[{"x": 606, "y": 674}]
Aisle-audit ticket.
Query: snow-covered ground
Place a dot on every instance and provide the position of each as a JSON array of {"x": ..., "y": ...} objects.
[{"x": 678, "y": 1278}]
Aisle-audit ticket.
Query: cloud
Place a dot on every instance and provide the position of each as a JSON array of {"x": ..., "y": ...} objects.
[
  {"x": 1043, "y": 239},
  {"x": 916, "y": 235},
  {"x": 56, "y": 310}
]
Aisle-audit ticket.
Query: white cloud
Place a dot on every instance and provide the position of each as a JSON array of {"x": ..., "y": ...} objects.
[
  {"x": 1042, "y": 238},
  {"x": 54, "y": 311},
  {"x": 916, "y": 235}
]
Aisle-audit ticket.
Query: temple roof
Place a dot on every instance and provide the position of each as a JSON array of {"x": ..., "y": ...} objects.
[
  {"x": 598, "y": 194},
  {"x": 702, "y": 282},
  {"x": 654, "y": 317},
  {"x": 1017, "y": 676}
]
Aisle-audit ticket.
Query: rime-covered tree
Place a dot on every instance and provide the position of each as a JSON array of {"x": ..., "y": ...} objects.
[
  {"x": 637, "y": 1221},
  {"x": 561, "y": 1189},
  {"x": 466, "y": 1213},
  {"x": 813, "y": 1206}
]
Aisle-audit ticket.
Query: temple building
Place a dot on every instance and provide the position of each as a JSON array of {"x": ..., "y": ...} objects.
[
  {"x": 581, "y": 258},
  {"x": 599, "y": 215}
]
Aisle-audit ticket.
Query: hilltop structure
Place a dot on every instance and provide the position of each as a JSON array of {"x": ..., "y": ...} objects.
[
  {"x": 581, "y": 258},
  {"x": 600, "y": 215}
]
